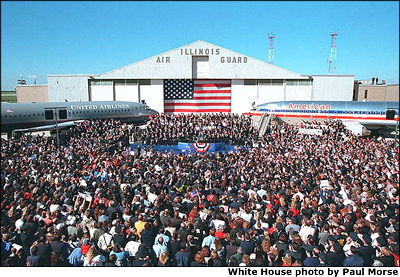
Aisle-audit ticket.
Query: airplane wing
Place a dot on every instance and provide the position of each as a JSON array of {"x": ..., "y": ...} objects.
[{"x": 50, "y": 127}]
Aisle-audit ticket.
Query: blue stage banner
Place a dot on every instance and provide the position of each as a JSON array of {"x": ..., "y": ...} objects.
[
  {"x": 201, "y": 147},
  {"x": 190, "y": 148}
]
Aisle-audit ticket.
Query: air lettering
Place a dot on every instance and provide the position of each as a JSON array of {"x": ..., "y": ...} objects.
[{"x": 163, "y": 60}]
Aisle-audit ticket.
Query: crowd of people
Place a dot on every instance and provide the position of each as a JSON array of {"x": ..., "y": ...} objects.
[
  {"x": 169, "y": 129},
  {"x": 289, "y": 199}
]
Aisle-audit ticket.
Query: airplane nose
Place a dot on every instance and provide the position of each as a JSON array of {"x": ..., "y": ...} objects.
[{"x": 153, "y": 112}]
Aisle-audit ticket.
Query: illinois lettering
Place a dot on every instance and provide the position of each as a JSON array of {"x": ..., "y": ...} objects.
[{"x": 200, "y": 51}]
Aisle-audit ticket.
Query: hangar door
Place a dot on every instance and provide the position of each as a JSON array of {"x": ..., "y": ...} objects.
[
  {"x": 126, "y": 90},
  {"x": 200, "y": 67},
  {"x": 270, "y": 91},
  {"x": 101, "y": 90}
]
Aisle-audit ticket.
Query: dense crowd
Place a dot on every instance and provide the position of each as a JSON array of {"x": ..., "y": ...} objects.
[
  {"x": 166, "y": 129},
  {"x": 288, "y": 199}
]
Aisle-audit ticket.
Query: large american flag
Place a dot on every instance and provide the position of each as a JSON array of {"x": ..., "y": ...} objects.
[{"x": 197, "y": 96}]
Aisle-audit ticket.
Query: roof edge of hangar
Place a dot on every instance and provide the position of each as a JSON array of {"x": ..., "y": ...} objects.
[{"x": 211, "y": 44}]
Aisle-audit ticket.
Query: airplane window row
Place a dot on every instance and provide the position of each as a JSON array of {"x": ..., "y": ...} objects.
[
  {"x": 10, "y": 115},
  {"x": 23, "y": 115},
  {"x": 104, "y": 111}
]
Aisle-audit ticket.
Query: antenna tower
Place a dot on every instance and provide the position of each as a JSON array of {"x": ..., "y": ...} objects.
[
  {"x": 271, "y": 37},
  {"x": 332, "y": 57}
]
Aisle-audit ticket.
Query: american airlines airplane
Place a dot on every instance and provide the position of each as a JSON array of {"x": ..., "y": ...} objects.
[
  {"x": 372, "y": 115},
  {"x": 46, "y": 115}
]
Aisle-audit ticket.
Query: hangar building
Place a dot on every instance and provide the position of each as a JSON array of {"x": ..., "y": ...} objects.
[{"x": 238, "y": 81}]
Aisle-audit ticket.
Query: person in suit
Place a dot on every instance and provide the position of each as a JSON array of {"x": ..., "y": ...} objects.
[
  {"x": 335, "y": 255},
  {"x": 354, "y": 258},
  {"x": 182, "y": 257}
]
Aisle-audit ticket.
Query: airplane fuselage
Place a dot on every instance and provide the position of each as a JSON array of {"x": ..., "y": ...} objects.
[
  {"x": 373, "y": 113},
  {"x": 29, "y": 115}
]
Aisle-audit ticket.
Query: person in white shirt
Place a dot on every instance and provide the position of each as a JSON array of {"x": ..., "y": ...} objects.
[
  {"x": 170, "y": 228},
  {"x": 93, "y": 258},
  {"x": 261, "y": 192},
  {"x": 306, "y": 229},
  {"x": 54, "y": 207},
  {"x": 349, "y": 243},
  {"x": 132, "y": 246},
  {"x": 92, "y": 229},
  {"x": 298, "y": 193},
  {"x": 217, "y": 222},
  {"x": 246, "y": 214},
  {"x": 105, "y": 240},
  {"x": 19, "y": 223},
  {"x": 126, "y": 216}
]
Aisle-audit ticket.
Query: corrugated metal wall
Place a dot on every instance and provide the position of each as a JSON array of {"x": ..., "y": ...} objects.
[
  {"x": 334, "y": 88},
  {"x": 71, "y": 88}
]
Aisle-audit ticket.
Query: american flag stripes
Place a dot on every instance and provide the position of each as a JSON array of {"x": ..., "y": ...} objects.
[{"x": 197, "y": 96}]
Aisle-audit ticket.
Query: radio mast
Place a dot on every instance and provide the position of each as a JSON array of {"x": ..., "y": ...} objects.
[
  {"x": 271, "y": 37},
  {"x": 332, "y": 57}
]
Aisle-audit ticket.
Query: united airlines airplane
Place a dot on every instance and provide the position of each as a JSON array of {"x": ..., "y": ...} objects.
[
  {"x": 371, "y": 115},
  {"x": 46, "y": 115}
]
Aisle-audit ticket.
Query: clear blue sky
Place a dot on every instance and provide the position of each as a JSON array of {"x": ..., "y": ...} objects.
[{"x": 40, "y": 38}]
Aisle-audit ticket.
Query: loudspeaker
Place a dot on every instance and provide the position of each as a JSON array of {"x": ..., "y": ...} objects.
[{"x": 390, "y": 114}]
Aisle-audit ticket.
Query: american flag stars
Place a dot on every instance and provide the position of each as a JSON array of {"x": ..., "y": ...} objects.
[{"x": 178, "y": 89}]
